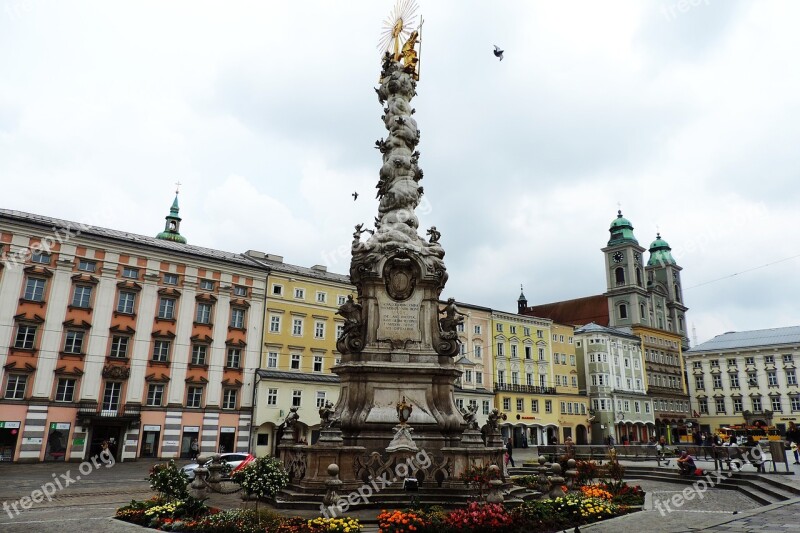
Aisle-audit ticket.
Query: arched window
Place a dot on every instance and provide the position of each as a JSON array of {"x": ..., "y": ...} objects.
[
  {"x": 623, "y": 311},
  {"x": 642, "y": 314},
  {"x": 619, "y": 275},
  {"x": 677, "y": 293},
  {"x": 680, "y": 324},
  {"x": 638, "y": 277}
]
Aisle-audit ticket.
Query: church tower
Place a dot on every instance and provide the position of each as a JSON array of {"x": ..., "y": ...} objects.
[
  {"x": 664, "y": 284},
  {"x": 626, "y": 291},
  {"x": 522, "y": 302},
  {"x": 173, "y": 225}
]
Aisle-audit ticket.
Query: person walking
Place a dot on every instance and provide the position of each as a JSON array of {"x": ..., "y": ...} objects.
[
  {"x": 509, "y": 449},
  {"x": 793, "y": 436},
  {"x": 195, "y": 449}
]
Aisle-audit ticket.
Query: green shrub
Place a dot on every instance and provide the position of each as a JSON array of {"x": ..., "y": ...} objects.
[
  {"x": 169, "y": 481},
  {"x": 262, "y": 478}
]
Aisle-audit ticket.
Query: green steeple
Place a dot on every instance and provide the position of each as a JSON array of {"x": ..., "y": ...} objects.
[
  {"x": 172, "y": 227},
  {"x": 621, "y": 231},
  {"x": 660, "y": 253}
]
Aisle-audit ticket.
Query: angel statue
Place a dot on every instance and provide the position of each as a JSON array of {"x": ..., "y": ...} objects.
[
  {"x": 327, "y": 420},
  {"x": 452, "y": 317},
  {"x": 470, "y": 415}
]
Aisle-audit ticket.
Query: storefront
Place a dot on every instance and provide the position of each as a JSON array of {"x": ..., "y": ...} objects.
[
  {"x": 190, "y": 434},
  {"x": 9, "y": 434},
  {"x": 151, "y": 438},
  {"x": 227, "y": 439},
  {"x": 57, "y": 441}
]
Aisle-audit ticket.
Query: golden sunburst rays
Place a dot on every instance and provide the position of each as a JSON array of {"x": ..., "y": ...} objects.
[{"x": 398, "y": 26}]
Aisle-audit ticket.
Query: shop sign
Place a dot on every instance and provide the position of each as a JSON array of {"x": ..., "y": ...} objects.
[
  {"x": 9, "y": 425},
  {"x": 227, "y": 430},
  {"x": 191, "y": 429},
  {"x": 152, "y": 428},
  {"x": 790, "y": 418},
  {"x": 59, "y": 425},
  {"x": 78, "y": 442},
  {"x": 31, "y": 440},
  {"x": 130, "y": 442},
  {"x": 170, "y": 443},
  {"x": 529, "y": 418}
]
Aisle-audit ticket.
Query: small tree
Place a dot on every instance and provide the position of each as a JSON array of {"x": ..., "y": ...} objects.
[
  {"x": 169, "y": 481},
  {"x": 262, "y": 478}
]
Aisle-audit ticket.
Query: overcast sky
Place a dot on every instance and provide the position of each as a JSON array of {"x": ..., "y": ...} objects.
[{"x": 266, "y": 113}]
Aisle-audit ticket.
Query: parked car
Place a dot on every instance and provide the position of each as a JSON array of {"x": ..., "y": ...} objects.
[{"x": 231, "y": 459}]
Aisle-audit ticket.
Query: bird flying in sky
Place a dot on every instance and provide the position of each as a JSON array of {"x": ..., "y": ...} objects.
[
  {"x": 498, "y": 52},
  {"x": 355, "y": 196}
]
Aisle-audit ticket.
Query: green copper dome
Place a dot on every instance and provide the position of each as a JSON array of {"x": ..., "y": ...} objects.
[
  {"x": 660, "y": 253},
  {"x": 172, "y": 227},
  {"x": 621, "y": 231}
]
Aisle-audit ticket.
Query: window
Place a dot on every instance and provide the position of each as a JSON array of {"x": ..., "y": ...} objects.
[
  {"x": 702, "y": 404},
  {"x": 477, "y": 330},
  {"x": 317, "y": 363},
  {"x": 155, "y": 394},
  {"x": 277, "y": 290},
  {"x": 170, "y": 279},
  {"x": 194, "y": 396},
  {"x": 26, "y": 336},
  {"x": 272, "y": 360},
  {"x": 322, "y": 297},
  {"x": 34, "y": 290},
  {"x": 514, "y": 378},
  {"x": 321, "y": 398},
  {"x": 737, "y": 405},
  {"x": 717, "y": 381},
  {"x": 787, "y": 358},
  {"x": 697, "y": 365},
  {"x": 534, "y": 406},
  {"x": 297, "y": 326},
  {"x": 499, "y": 328},
  {"x": 206, "y": 285},
  {"x": 199, "y": 352},
  {"x": 512, "y": 330},
  {"x": 15, "y": 387},
  {"x": 478, "y": 378},
  {"x": 111, "y": 394},
  {"x": 572, "y": 360},
  {"x": 234, "y": 358},
  {"x": 460, "y": 403},
  {"x": 752, "y": 379},
  {"x": 299, "y": 293},
  {"x": 41, "y": 258},
  {"x": 274, "y": 324},
  {"x": 272, "y": 396},
  {"x": 468, "y": 376},
  {"x": 237, "y": 317},
  {"x": 749, "y": 361},
  {"x": 769, "y": 360},
  {"x": 65, "y": 389},
  {"x": 339, "y": 330},
  {"x": 119, "y": 346},
  {"x": 574, "y": 381},
  {"x": 772, "y": 378},
  {"x": 460, "y": 327},
  {"x": 795, "y": 401},
  {"x": 776, "y": 404},
  {"x": 526, "y": 331},
  {"x": 501, "y": 349},
  {"x": 619, "y": 275},
  {"x": 501, "y": 377},
  {"x": 125, "y": 303},
  {"x": 229, "y": 398},
  {"x": 548, "y": 406},
  {"x": 319, "y": 330},
  {"x": 161, "y": 351},
  {"x": 714, "y": 363},
  {"x": 86, "y": 265},
  {"x": 297, "y": 398},
  {"x": 486, "y": 407},
  {"x": 239, "y": 290},
  {"x": 73, "y": 342},
  {"x": 756, "y": 404},
  {"x": 791, "y": 377},
  {"x": 732, "y": 362},
  {"x": 541, "y": 354},
  {"x": 506, "y": 404},
  {"x": 563, "y": 359},
  {"x": 734, "y": 380},
  {"x": 520, "y": 404},
  {"x": 528, "y": 352},
  {"x": 295, "y": 363},
  {"x": 203, "y": 314},
  {"x": 637, "y": 408},
  {"x": 623, "y": 311},
  {"x": 514, "y": 350},
  {"x": 539, "y": 334},
  {"x": 720, "y": 406},
  {"x": 82, "y": 296},
  {"x": 699, "y": 383},
  {"x": 341, "y": 300},
  {"x": 130, "y": 272},
  {"x": 166, "y": 308}
]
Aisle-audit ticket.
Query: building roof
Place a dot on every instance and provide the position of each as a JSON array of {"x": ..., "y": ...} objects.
[
  {"x": 621, "y": 231},
  {"x": 279, "y": 375},
  {"x": 596, "y": 328},
  {"x": 575, "y": 312},
  {"x": 285, "y": 268},
  {"x": 76, "y": 228},
  {"x": 660, "y": 253},
  {"x": 750, "y": 339}
]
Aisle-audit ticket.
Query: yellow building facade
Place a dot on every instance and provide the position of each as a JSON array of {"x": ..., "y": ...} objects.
[{"x": 298, "y": 349}]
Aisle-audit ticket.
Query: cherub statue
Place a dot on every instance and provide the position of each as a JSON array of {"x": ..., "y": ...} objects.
[
  {"x": 470, "y": 415},
  {"x": 327, "y": 420},
  {"x": 452, "y": 316},
  {"x": 493, "y": 419}
]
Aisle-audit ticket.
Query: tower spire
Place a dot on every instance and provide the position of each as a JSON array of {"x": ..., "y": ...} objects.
[{"x": 173, "y": 222}]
